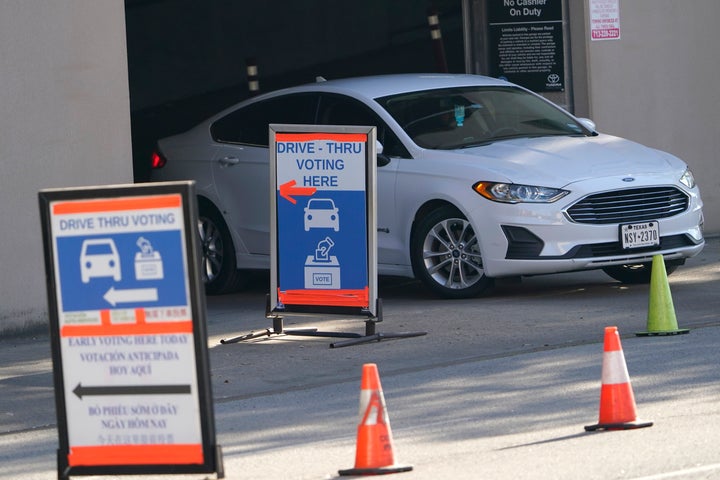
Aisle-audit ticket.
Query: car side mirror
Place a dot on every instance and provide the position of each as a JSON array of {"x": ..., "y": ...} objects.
[
  {"x": 589, "y": 124},
  {"x": 382, "y": 159}
]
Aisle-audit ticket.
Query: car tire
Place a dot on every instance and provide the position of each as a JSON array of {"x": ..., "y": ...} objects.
[
  {"x": 218, "y": 263},
  {"x": 637, "y": 273},
  {"x": 445, "y": 254}
]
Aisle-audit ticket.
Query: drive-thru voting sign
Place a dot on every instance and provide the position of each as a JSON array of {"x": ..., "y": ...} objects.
[
  {"x": 323, "y": 232},
  {"x": 127, "y": 318},
  {"x": 322, "y": 228}
]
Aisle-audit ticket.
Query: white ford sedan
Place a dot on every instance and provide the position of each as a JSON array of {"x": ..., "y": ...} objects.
[{"x": 477, "y": 179}]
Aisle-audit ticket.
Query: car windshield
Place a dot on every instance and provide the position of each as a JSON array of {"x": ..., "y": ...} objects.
[
  {"x": 319, "y": 204},
  {"x": 470, "y": 116},
  {"x": 98, "y": 249}
]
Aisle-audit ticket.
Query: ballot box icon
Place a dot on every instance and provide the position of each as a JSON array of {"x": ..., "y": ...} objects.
[{"x": 148, "y": 262}]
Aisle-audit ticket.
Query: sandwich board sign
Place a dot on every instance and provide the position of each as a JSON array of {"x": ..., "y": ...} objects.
[
  {"x": 322, "y": 228},
  {"x": 127, "y": 325}
]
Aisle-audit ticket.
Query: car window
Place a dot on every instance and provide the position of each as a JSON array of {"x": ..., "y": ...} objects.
[
  {"x": 343, "y": 110},
  {"x": 249, "y": 125},
  {"x": 98, "y": 249},
  {"x": 321, "y": 204},
  {"x": 464, "y": 117}
]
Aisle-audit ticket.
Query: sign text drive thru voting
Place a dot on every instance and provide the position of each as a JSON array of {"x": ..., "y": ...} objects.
[
  {"x": 323, "y": 221},
  {"x": 128, "y": 332}
]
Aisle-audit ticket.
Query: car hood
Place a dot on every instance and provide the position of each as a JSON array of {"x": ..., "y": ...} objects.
[{"x": 559, "y": 161}]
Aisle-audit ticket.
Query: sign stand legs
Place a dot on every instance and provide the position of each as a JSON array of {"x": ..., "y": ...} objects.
[{"x": 371, "y": 335}]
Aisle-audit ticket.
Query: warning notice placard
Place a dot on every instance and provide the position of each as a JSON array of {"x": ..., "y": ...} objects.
[
  {"x": 604, "y": 19},
  {"x": 126, "y": 339},
  {"x": 526, "y": 43}
]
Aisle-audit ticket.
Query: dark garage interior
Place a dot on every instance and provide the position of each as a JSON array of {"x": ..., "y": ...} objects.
[{"x": 188, "y": 59}]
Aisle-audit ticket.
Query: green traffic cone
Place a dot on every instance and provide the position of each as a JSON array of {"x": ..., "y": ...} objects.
[{"x": 661, "y": 311}]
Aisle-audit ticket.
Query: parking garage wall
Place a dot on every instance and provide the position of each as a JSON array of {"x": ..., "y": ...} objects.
[
  {"x": 65, "y": 122},
  {"x": 656, "y": 85}
]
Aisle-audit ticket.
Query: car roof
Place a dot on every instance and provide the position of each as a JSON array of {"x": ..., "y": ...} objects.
[
  {"x": 383, "y": 85},
  {"x": 372, "y": 87}
]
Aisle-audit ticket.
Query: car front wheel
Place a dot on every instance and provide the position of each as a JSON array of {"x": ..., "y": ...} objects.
[
  {"x": 446, "y": 256},
  {"x": 218, "y": 266}
]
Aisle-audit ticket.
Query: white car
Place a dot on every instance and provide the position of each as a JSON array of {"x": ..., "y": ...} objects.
[{"x": 477, "y": 179}]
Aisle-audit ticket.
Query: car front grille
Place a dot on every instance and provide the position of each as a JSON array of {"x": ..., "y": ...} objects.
[
  {"x": 635, "y": 205},
  {"x": 609, "y": 249},
  {"x": 523, "y": 245}
]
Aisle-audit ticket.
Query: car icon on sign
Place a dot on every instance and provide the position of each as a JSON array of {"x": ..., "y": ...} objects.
[
  {"x": 321, "y": 213},
  {"x": 99, "y": 258}
]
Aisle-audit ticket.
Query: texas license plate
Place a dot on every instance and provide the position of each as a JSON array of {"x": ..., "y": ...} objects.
[{"x": 637, "y": 235}]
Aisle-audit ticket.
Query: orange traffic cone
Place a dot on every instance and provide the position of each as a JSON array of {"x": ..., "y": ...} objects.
[
  {"x": 617, "y": 402},
  {"x": 374, "y": 453}
]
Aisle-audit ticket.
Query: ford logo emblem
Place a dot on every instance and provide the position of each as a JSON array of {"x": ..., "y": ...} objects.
[{"x": 628, "y": 179}]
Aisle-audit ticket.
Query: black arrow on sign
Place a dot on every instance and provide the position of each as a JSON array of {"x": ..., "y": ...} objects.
[{"x": 131, "y": 390}]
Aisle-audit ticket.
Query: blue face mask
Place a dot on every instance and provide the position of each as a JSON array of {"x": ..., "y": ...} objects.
[{"x": 459, "y": 115}]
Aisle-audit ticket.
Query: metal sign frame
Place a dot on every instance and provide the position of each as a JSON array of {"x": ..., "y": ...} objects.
[
  {"x": 134, "y": 419},
  {"x": 324, "y": 299}
]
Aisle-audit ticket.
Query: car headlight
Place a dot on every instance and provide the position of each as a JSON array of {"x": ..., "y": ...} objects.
[
  {"x": 514, "y": 193},
  {"x": 688, "y": 179}
]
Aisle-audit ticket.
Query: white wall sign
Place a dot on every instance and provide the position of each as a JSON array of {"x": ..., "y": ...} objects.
[{"x": 604, "y": 19}]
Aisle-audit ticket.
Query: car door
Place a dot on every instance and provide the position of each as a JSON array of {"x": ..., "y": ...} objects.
[
  {"x": 241, "y": 167},
  {"x": 343, "y": 110}
]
